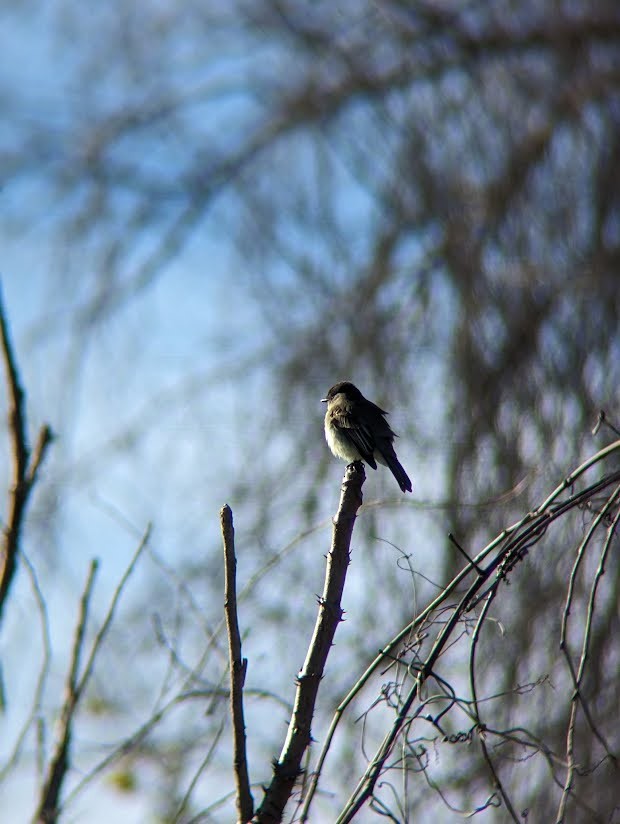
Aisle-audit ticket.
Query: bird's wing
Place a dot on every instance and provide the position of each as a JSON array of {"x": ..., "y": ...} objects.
[{"x": 357, "y": 432}]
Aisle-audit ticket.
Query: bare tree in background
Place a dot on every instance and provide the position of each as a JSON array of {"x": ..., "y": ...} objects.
[{"x": 425, "y": 198}]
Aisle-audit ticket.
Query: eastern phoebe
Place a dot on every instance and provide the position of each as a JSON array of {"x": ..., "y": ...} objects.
[{"x": 356, "y": 429}]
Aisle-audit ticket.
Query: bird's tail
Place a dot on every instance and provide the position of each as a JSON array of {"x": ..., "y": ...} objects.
[
  {"x": 395, "y": 467},
  {"x": 399, "y": 473}
]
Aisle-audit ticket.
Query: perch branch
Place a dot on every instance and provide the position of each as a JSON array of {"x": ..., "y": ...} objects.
[{"x": 287, "y": 768}]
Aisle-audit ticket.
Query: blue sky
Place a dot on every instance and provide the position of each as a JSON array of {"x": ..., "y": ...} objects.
[{"x": 156, "y": 420}]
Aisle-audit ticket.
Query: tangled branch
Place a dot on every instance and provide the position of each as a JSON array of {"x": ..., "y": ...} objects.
[{"x": 462, "y": 611}]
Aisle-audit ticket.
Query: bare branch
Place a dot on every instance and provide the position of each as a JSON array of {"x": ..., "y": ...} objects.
[
  {"x": 48, "y": 810},
  {"x": 103, "y": 630},
  {"x": 510, "y": 548},
  {"x": 238, "y": 667},
  {"x": 76, "y": 684},
  {"x": 287, "y": 768},
  {"x": 577, "y": 678},
  {"x": 24, "y": 472},
  {"x": 476, "y": 708}
]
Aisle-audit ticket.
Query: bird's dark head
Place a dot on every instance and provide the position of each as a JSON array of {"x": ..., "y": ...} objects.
[{"x": 346, "y": 388}]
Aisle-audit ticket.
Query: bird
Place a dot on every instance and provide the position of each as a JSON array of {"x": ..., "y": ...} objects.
[{"x": 356, "y": 429}]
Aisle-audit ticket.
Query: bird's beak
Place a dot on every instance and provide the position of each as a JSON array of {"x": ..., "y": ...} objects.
[{"x": 323, "y": 400}]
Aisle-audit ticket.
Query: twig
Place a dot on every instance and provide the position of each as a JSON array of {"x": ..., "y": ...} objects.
[
  {"x": 103, "y": 630},
  {"x": 249, "y": 587},
  {"x": 511, "y": 543},
  {"x": 366, "y": 784},
  {"x": 77, "y": 686},
  {"x": 48, "y": 809},
  {"x": 497, "y": 783},
  {"x": 387, "y": 653},
  {"x": 126, "y": 746},
  {"x": 578, "y": 698},
  {"x": 201, "y": 768},
  {"x": 453, "y": 540},
  {"x": 24, "y": 471},
  {"x": 502, "y": 543},
  {"x": 603, "y": 419},
  {"x": 604, "y": 513},
  {"x": 238, "y": 666},
  {"x": 287, "y": 767}
]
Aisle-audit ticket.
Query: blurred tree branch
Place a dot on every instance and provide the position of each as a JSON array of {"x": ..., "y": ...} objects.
[
  {"x": 48, "y": 809},
  {"x": 50, "y": 805},
  {"x": 420, "y": 197},
  {"x": 25, "y": 466}
]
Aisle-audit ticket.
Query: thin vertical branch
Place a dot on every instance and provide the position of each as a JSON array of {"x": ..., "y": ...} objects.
[
  {"x": 475, "y": 705},
  {"x": 24, "y": 471},
  {"x": 48, "y": 809},
  {"x": 578, "y": 698},
  {"x": 238, "y": 666},
  {"x": 610, "y": 504}
]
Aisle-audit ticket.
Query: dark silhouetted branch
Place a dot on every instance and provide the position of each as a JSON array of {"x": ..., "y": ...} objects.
[
  {"x": 238, "y": 666},
  {"x": 24, "y": 470}
]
